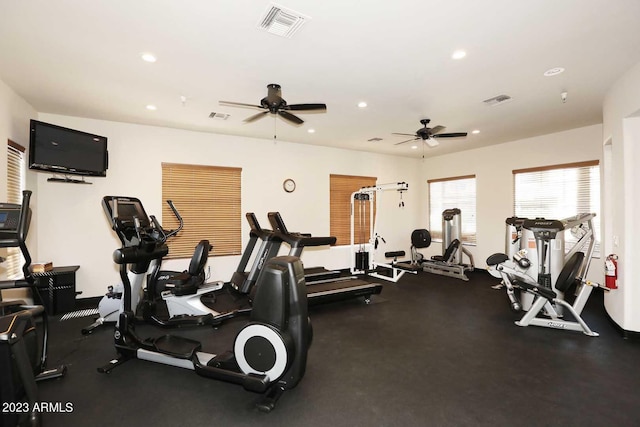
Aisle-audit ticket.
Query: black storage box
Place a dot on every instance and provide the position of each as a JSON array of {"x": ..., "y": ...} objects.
[{"x": 56, "y": 289}]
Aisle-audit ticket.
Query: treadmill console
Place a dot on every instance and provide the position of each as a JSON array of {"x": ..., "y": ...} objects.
[{"x": 9, "y": 218}]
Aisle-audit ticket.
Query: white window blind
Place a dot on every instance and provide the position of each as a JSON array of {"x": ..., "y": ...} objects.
[
  {"x": 557, "y": 192},
  {"x": 450, "y": 193},
  {"x": 15, "y": 184}
]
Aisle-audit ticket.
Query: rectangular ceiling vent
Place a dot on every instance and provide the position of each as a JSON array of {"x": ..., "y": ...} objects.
[
  {"x": 219, "y": 116},
  {"x": 281, "y": 21},
  {"x": 497, "y": 100}
]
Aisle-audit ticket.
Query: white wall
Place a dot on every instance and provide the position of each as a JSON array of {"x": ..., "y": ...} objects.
[
  {"x": 73, "y": 229},
  {"x": 493, "y": 168},
  {"x": 621, "y": 126},
  {"x": 15, "y": 114}
]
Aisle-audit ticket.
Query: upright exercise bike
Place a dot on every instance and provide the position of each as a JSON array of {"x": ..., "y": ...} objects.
[{"x": 269, "y": 354}]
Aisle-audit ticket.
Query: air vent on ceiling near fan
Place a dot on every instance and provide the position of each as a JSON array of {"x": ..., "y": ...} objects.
[
  {"x": 281, "y": 21},
  {"x": 497, "y": 100},
  {"x": 220, "y": 116}
]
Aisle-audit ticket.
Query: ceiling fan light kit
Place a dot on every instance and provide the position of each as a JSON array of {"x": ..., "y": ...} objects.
[{"x": 429, "y": 135}]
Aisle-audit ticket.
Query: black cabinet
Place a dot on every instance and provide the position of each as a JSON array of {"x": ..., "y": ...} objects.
[{"x": 56, "y": 289}]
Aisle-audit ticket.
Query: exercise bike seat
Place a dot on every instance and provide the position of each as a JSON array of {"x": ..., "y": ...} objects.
[
  {"x": 497, "y": 258},
  {"x": 188, "y": 282}
]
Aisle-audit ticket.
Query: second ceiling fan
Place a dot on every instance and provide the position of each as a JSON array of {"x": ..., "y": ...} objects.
[
  {"x": 430, "y": 135},
  {"x": 274, "y": 104}
]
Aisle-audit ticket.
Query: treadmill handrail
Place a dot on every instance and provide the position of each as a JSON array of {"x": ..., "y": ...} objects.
[{"x": 296, "y": 239}]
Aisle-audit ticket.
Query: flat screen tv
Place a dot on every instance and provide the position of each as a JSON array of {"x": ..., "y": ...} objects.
[{"x": 62, "y": 150}]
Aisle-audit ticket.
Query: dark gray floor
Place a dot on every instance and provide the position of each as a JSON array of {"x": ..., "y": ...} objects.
[{"x": 429, "y": 351}]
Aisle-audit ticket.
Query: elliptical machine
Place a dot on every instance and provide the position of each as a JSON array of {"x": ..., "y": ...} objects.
[
  {"x": 269, "y": 354},
  {"x": 23, "y": 356},
  {"x": 189, "y": 300}
]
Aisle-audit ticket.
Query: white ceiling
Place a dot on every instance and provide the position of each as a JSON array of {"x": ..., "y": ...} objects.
[{"x": 82, "y": 58}]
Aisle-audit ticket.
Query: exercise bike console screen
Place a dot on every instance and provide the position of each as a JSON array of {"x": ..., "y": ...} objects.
[{"x": 127, "y": 208}]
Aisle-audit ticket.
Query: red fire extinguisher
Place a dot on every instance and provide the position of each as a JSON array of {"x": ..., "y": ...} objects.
[{"x": 611, "y": 271}]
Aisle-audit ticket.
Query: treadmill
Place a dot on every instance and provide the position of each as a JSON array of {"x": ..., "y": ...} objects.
[{"x": 329, "y": 290}]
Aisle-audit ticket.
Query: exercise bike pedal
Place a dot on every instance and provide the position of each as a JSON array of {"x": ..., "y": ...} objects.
[{"x": 176, "y": 346}]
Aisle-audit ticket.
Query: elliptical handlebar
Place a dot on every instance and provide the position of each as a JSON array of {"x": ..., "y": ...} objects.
[{"x": 172, "y": 233}]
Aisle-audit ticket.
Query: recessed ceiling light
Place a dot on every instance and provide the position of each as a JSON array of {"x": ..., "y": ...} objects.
[
  {"x": 148, "y": 57},
  {"x": 553, "y": 71},
  {"x": 362, "y": 104},
  {"x": 475, "y": 131},
  {"x": 152, "y": 107},
  {"x": 311, "y": 130},
  {"x": 459, "y": 54},
  {"x": 414, "y": 147}
]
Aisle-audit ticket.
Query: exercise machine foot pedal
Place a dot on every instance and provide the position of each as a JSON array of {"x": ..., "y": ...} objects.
[{"x": 176, "y": 346}]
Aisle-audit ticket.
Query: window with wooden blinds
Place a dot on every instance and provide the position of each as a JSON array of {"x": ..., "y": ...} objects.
[
  {"x": 340, "y": 189},
  {"x": 209, "y": 200},
  {"x": 15, "y": 184}
]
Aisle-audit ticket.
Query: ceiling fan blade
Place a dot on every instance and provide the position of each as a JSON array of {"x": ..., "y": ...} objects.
[
  {"x": 255, "y": 117},
  {"x": 431, "y": 142},
  {"x": 290, "y": 117},
  {"x": 306, "y": 107},
  {"x": 450, "y": 135},
  {"x": 239, "y": 104},
  {"x": 398, "y": 143},
  {"x": 403, "y": 134},
  {"x": 436, "y": 129}
]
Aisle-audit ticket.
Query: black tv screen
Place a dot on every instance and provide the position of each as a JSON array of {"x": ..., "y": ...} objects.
[{"x": 58, "y": 149}]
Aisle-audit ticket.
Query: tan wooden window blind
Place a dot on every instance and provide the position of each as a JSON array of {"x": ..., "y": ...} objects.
[
  {"x": 340, "y": 189},
  {"x": 12, "y": 265},
  {"x": 209, "y": 200}
]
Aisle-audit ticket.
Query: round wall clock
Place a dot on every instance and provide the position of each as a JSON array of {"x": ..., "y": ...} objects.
[{"x": 289, "y": 185}]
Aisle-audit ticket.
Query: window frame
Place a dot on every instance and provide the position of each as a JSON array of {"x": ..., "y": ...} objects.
[
  {"x": 341, "y": 187},
  {"x": 463, "y": 202},
  {"x": 588, "y": 192},
  {"x": 209, "y": 199},
  {"x": 16, "y": 171}
]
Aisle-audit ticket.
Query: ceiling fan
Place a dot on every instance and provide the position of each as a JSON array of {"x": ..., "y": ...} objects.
[
  {"x": 274, "y": 104},
  {"x": 429, "y": 135}
]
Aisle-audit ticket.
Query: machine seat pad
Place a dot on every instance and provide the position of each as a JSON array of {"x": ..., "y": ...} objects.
[
  {"x": 407, "y": 266},
  {"x": 537, "y": 289},
  {"x": 184, "y": 284},
  {"x": 497, "y": 258},
  {"x": 421, "y": 238},
  {"x": 394, "y": 254}
]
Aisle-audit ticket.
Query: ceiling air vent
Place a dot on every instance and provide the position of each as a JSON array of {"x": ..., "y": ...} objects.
[
  {"x": 220, "y": 116},
  {"x": 496, "y": 100},
  {"x": 281, "y": 21}
]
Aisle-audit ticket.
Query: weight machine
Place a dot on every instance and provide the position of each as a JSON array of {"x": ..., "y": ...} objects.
[
  {"x": 364, "y": 253},
  {"x": 555, "y": 271},
  {"x": 450, "y": 262},
  {"x": 543, "y": 242}
]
